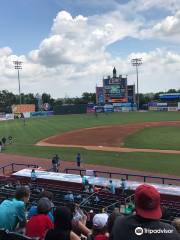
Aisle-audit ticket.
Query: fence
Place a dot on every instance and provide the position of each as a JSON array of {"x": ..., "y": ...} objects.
[
  {"x": 11, "y": 167},
  {"x": 144, "y": 178}
]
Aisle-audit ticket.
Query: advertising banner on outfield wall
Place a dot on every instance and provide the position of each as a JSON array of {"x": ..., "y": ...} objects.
[
  {"x": 172, "y": 109},
  {"x": 108, "y": 108},
  {"x": 9, "y": 116},
  {"x": 5, "y": 117},
  {"x": 26, "y": 114}
]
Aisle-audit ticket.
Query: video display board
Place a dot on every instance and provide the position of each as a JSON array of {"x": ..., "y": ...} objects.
[{"x": 115, "y": 89}]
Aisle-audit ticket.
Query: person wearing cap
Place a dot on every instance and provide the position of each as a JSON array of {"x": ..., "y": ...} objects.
[
  {"x": 33, "y": 210},
  {"x": 99, "y": 230},
  {"x": 145, "y": 224},
  {"x": 39, "y": 224}
]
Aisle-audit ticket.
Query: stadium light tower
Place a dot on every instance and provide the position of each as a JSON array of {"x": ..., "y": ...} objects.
[
  {"x": 136, "y": 62},
  {"x": 18, "y": 66}
]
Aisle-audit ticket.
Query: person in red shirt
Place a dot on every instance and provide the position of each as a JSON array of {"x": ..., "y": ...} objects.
[{"x": 39, "y": 224}]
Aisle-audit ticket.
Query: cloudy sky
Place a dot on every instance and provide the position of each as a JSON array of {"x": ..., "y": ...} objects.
[{"x": 67, "y": 46}]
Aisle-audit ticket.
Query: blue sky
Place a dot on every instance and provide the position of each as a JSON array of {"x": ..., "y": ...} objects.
[
  {"x": 24, "y": 23},
  {"x": 56, "y": 45}
]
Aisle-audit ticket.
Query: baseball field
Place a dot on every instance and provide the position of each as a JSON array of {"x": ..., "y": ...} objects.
[{"x": 144, "y": 141}]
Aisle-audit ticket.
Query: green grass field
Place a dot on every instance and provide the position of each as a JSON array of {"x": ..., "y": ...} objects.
[
  {"x": 155, "y": 138},
  {"x": 37, "y": 129}
]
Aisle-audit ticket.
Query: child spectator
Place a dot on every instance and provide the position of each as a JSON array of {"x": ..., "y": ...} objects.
[
  {"x": 99, "y": 231},
  {"x": 33, "y": 209},
  {"x": 40, "y": 223}
]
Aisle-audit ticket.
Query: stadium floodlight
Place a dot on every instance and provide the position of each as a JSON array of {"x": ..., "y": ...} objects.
[
  {"x": 18, "y": 66},
  {"x": 136, "y": 62}
]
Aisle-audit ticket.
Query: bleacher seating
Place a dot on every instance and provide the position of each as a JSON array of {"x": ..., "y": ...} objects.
[{"x": 106, "y": 201}]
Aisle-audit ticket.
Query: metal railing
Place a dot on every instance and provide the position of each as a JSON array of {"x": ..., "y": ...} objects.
[
  {"x": 129, "y": 199},
  {"x": 11, "y": 167},
  {"x": 126, "y": 175}
]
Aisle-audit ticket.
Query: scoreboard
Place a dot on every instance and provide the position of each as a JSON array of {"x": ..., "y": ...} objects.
[{"x": 115, "y": 89}]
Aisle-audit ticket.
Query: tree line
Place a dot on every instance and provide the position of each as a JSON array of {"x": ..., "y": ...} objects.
[{"x": 7, "y": 99}]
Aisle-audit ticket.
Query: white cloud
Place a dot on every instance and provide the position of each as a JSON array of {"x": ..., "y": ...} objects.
[
  {"x": 167, "y": 29},
  {"x": 144, "y": 5},
  {"x": 81, "y": 40},
  {"x": 73, "y": 58}
]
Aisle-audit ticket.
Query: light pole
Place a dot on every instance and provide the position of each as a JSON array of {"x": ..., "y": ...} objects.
[
  {"x": 18, "y": 66},
  {"x": 136, "y": 62}
]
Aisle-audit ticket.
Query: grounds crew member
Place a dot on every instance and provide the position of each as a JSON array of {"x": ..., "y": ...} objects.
[{"x": 56, "y": 163}]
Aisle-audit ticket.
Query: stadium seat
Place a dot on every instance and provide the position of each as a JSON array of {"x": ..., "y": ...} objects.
[{"x": 6, "y": 235}]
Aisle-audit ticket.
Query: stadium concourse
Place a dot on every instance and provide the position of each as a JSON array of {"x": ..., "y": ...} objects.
[{"x": 96, "y": 207}]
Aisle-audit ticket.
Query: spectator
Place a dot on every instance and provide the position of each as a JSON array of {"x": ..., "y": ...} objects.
[
  {"x": 33, "y": 209},
  {"x": 69, "y": 197},
  {"x": 148, "y": 214},
  {"x": 78, "y": 160},
  {"x": 0, "y": 146},
  {"x": 112, "y": 187},
  {"x": 97, "y": 189},
  {"x": 90, "y": 218},
  {"x": 129, "y": 208},
  {"x": 18, "y": 184},
  {"x": 99, "y": 231},
  {"x": 40, "y": 223},
  {"x": 33, "y": 175},
  {"x": 176, "y": 224},
  {"x": 105, "y": 189},
  {"x": 84, "y": 179},
  {"x": 79, "y": 220},
  {"x": 91, "y": 188},
  {"x": 111, "y": 219},
  {"x": 124, "y": 185},
  {"x": 62, "y": 226},
  {"x": 12, "y": 211}
]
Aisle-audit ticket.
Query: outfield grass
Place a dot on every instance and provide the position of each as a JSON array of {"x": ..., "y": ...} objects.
[
  {"x": 155, "y": 138},
  {"x": 39, "y": 128},
  {"x": 150, "y": 162}
]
